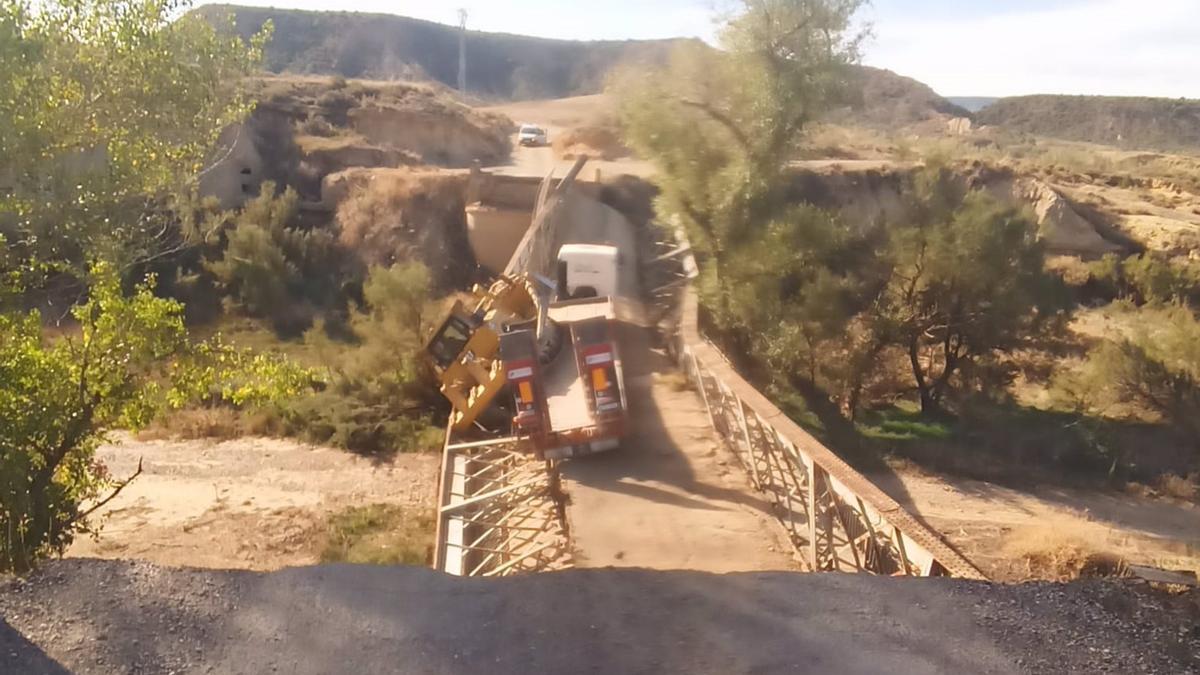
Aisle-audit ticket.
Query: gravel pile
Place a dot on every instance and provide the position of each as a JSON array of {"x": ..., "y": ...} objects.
[{"x": 90, "y": 616}]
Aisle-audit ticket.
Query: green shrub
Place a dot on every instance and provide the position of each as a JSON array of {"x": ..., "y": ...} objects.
[
  {"x": 1146, "y": 278},
  {"x": 1156, "y": 371},
  {"x": 272, "y": 268}
]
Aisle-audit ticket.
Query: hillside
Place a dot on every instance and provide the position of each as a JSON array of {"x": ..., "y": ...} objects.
[
  {"x": 384, "y": 46},
  {"x": 883, "y": 99},
  {"x": 1131, "y": 123}
]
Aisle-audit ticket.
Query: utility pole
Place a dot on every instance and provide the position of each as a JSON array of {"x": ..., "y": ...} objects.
[{"x": 462, "y": 51}]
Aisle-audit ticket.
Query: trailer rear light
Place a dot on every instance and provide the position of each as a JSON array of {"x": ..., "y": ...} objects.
[
  {"x": 519, "y": 354},
  {"x": 599, "y": 379}
]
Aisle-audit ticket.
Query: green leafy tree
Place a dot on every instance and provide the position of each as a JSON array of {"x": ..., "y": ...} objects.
[
  {"x": 130, "y": 359},
  {"x": 108, "y": 108},
  {"x": 722, "y": 125},
  {"x": 966, "y": 282}
]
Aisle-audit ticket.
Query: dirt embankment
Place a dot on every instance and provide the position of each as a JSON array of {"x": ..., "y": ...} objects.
[
  {"x": 393, "y": 215},
  {"x": 306, "y": 128},
  {"x": 1048, "y": 533},
  {"x": 441, "y": 138},
  {"x": 869, "y": 196}
]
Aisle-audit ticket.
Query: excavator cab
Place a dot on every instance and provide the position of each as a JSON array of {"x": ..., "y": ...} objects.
[{"x": 451, "y": 339}]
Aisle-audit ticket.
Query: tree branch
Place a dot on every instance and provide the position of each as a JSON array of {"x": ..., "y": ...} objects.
[
  {"x": 102, "y": 503},
  {"x": 722, "y": 119}
]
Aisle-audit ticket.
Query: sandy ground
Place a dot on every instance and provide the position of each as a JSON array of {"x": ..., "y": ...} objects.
[
  {"x": 995, "y": 526},
  {"x": 671, "y": 497},
  {"x": 251, "y": 503}
]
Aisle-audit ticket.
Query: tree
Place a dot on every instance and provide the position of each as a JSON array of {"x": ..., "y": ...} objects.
[
  {"x": 108, "y": 108},
  {"x": 130, "y": 358},
  {"x": 1155, "y": 370},
  {"x": 381, "y": 390},
  {"x": 966, "y": 281},
  {"x": 722, "y": 125},
  {"x": 269, "y": 264}
]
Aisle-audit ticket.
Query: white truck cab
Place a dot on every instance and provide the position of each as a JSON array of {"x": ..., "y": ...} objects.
[{"x": 588, "y": 271}]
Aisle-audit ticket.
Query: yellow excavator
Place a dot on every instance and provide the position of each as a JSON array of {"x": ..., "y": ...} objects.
[{"x": 465, "y": 350}]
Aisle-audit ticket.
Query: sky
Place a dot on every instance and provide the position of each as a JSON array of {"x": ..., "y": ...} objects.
[{"x": 959, "y": 47}]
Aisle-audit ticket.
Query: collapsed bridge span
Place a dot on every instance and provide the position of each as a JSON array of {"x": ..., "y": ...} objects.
[{"x": 667, "y": 499}]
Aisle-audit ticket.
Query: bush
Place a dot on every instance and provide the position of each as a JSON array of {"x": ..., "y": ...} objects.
[
  {"x": 131, "y": 359},
  {"x": 272, "y": 268},
  {"x": 361, "y": 421},
  {"x": 1154, "y": 372},
  {"x": 381, "y": 395},
  {"x": 315, "y": 125},
  {"x": 1146, "y": 278}
]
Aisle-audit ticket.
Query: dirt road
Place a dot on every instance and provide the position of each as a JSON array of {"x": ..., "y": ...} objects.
[
  {"x": 86, "y": 616},
  {"x": 249, "y": 503},
  {"x": 556, "y": 117},
  {"x": 672, "y": 497}
]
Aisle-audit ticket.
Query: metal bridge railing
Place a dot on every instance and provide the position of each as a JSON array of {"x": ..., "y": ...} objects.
[
  {"x": 502, "y": 511},
  {"x": 836, "y": 518}
]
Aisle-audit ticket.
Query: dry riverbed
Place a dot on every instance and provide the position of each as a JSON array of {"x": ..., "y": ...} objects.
[{"x": 255, "y": 503}]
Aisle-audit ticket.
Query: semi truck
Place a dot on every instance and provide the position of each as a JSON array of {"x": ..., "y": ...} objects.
[{"x": 553, "y": 346}]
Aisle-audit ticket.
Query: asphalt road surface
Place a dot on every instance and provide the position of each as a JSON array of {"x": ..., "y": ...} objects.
[{"x": 91, "y": 616}]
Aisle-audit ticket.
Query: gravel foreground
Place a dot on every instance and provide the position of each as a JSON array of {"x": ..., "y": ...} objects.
[{"x": 92, "y": 616}]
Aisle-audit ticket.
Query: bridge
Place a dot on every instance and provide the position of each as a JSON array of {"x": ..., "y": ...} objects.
[{"x": 668, "y": 499}]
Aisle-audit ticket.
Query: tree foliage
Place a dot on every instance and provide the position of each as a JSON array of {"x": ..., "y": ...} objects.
[
  {"x": 107, "y": 108},
  {"x": 380, "y": 391},
  {"x": 270, "y": 264},
  {"x": 1147, "y": 277},
  {"x": 109, "y": 111},
  {"x": 966, "y": 281},
  {"x": 722, "y": 125},
  {"x": 1154, "y": 370},
  {"x": 130, "y": 358}
]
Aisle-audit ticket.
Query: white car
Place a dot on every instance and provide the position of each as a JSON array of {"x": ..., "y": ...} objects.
[{"x": 532, "y": 135}]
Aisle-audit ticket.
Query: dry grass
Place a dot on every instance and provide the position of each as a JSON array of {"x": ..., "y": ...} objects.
[
  {"x": 598, "y": 142},
  {"x": 1051, "y": 554},
  {"x": 1180, "y": 487},
  {"x": 220, "y": 424},
  {"x": 406, "y": 214}
]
